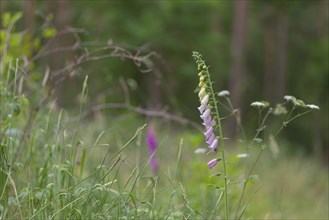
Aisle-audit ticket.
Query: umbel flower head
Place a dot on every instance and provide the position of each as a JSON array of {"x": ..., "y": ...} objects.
[
  {"x": 311, "y": 106},
  {"x": 223, "y": 93},
  {"x": 206, "y": 102}
]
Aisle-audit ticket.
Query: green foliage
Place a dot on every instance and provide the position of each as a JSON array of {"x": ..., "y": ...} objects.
[
  {"x": 57, "y": 166},
  {"x": 98, "y": 170},
  {"x": 14, "y": 44},
  {"x": 174, "y": 28},
  {"x": 49, "y": 32}
]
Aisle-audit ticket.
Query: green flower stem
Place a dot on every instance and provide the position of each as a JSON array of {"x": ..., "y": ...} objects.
[
  {"x": 253, "y": 166},
  {"x": 245, "y": 185},
  {"x": 238, "y": 121},
  {"x": 222, "y": 144},
  {"x": 285, "y": 123},
  {"x": 202, "y": 66}
]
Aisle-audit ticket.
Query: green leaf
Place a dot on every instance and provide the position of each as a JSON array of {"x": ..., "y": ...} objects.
[
  {"x": 49, "y": 32},
  {"x": 8, "y": 19}
]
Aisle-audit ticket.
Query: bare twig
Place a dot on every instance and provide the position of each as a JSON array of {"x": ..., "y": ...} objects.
[
  {"x": 125, "y": 90},
  {"x": 147, "y": 112},
  {"x": 86, "y": 56},
  {"x": 92, "y": 51}
]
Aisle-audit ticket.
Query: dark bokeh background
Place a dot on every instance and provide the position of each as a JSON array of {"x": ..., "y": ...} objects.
[{"x": 258, "y": 50}]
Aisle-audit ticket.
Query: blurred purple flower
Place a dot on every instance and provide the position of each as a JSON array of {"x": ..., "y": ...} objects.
[
  {"x": 152, "y": 147},
  {"x": 212, "y": 163}
]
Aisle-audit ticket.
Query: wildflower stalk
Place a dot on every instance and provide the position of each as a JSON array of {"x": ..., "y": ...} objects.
[
  {"x": 238, "y": 121},
  {"x": 285, "y": 123},
  {"x": 202, "y": 66},
  {"x": 261, "y": 124},
  {"x": 222, "y": 144},
  {"x": 253, "y": 166},
  {"x": 296, "y": 103}
]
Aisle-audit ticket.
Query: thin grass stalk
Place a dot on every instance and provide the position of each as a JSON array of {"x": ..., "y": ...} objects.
[
  {"x": 216, "y": 206},
  {"x": 254, "y": 164},
  {"x": 178, "y": 157}
]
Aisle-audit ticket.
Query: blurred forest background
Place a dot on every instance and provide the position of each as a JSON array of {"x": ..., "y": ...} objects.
[{"x": 258, "y": 50}]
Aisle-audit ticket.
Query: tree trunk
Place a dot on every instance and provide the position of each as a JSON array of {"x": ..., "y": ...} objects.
[
  {"x": 282, "y": 28},
  {"x": 61, "y": 12},
  {"x": 154, "y": 89},
  {"x": 320, "y": 135},
  {"x": 29, "y": 15},
  {"x": 269, "y": 53},
  {"x": 276, "y": 42},
  {"x": 237, "y": 60}
]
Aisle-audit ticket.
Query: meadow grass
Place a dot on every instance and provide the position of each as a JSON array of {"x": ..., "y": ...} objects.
[
  {"x": 99, "y": 169},
  {"x": 58, "y": 165}
]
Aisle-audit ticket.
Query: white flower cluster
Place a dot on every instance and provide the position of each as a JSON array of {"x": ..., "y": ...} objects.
[
  {"x": 311, "y": 106},
  {"x": 298, "y": 102},
  {"x": 223, "y": 93},
  {"x": 244, "y": 155},
  {"x": 258, "y": 104},
  {"x": 289, "y": 98}
]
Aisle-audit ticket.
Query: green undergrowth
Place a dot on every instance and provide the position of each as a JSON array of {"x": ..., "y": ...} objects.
[
  {"x": 58, "y": 165},
  {"x": 99, "y": 169}
]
